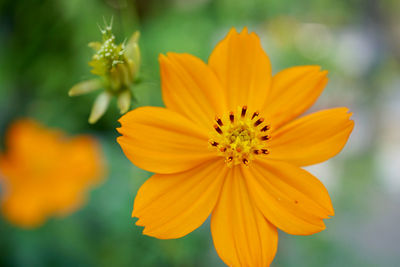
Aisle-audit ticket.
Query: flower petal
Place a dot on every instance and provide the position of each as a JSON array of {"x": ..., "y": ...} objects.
[
  {"x": 38, "y": 178},
  {"x": 173, "y": 205},
  {"x": 293, "y": 91},
  {"x": 25, "y": 209},
  {"x": 242, "y": 236},
  {"x": 162, "y": 141},
  {"x": 191, "y": 88},
  {"x": 99, "y": 107},
  {"x": 289, "y": 197},
  {"x": 85, "y": 87},
  {"x": 243, "y": 68},
  {"x": 313, "y": 138}
]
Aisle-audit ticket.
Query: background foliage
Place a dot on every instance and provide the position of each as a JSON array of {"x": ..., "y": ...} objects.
[{"x": 43, "y": 52}]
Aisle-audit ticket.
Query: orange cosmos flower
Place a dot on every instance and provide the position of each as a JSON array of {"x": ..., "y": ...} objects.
[
  {"x": 44, "y": 173},
  {"x": 230, "y": 144}
]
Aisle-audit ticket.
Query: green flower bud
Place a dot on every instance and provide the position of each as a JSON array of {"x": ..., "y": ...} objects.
[{"x": 117, "y": 66}]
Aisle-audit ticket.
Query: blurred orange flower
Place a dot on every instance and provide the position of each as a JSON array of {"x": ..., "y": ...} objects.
[
  {"x": 230, "y": 144},
  {"x": 44, "y": 173}
]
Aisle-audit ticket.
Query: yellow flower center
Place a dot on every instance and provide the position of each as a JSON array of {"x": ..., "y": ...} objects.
[{"x": 240, "y": 137}]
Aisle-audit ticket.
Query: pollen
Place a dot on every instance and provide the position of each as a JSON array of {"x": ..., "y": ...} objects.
[{"x": 240, "y": 136}]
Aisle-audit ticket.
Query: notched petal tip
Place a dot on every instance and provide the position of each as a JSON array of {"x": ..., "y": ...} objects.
[
  {"x": 344, "y": 110},
  {"x": 331, "y": 212},
  {"x": 324, "y": 72},
  {"x": 174, "y": 54},
  {"x": 165, "y": 62},
  {"x": 171, "y": 57},
  {"x": 313, "y": 70},
  {"x": 244, "y": 33},
  {"x": 129, "y": 116},
  {"x": 122, "y": 119},
  {"x": 145, "y": 230},
  {"x": 316, "y": 230},
  {"x": 119, "y": 138},
  {"x": 164, "y": 58},
  {"x": 310, "y": 68},
  {"x": 161, "y": 57},
  {"x": 139, "y": 222},
  {"x": 232, "y": 31},
  {"x": 148, "y": 232},
  {"x": 349, "y": 113}
]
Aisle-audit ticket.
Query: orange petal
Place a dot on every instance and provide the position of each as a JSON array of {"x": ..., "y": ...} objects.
[
  {"x": 83, "y": 151},
  {"x": 293, "y": 91},
  {"x": 26, "y": 137},
  {"x": 24, "y": 209},
  {"x": 313, "y": 138},
  {"x": 243, "y": 68},
  {"x": 191, "y": 88},
  {"x": 173, "y": 205},
  {"x": 163, "y": 141},
  {"x": 242, "y": 236},
  {"x": 38, "y": 178},
  {"x": 289, "y": 197}
]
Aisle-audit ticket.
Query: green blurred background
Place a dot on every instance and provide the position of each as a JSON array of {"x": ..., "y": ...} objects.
[{"x": 43, "y": 53}]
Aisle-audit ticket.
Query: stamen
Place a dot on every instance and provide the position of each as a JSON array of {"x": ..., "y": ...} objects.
[
  {"x": 255, "y": 114},
  {"x": 240, "y": 136},
  {"x": 231, "y": 117},
  {"x": 258, "y": 122},
  {"x": 217, "y": 129},
  {"x": 213, "y": 143},
  {"x": 265, "y": 128},
  {"x": 219, "y": 121},
  {"x": 244, "y": 109},
  {"x": 265, "y": 137},
  {"x": 265, "y": 151}
]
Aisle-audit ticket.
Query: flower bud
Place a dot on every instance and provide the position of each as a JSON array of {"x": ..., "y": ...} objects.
[{"x": 117, "y": 65}]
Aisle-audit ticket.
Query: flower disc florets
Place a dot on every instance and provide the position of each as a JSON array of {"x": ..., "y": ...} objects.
[
  {"x": 240, "y": 136},
  {"x": 109, "y": 52}
]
